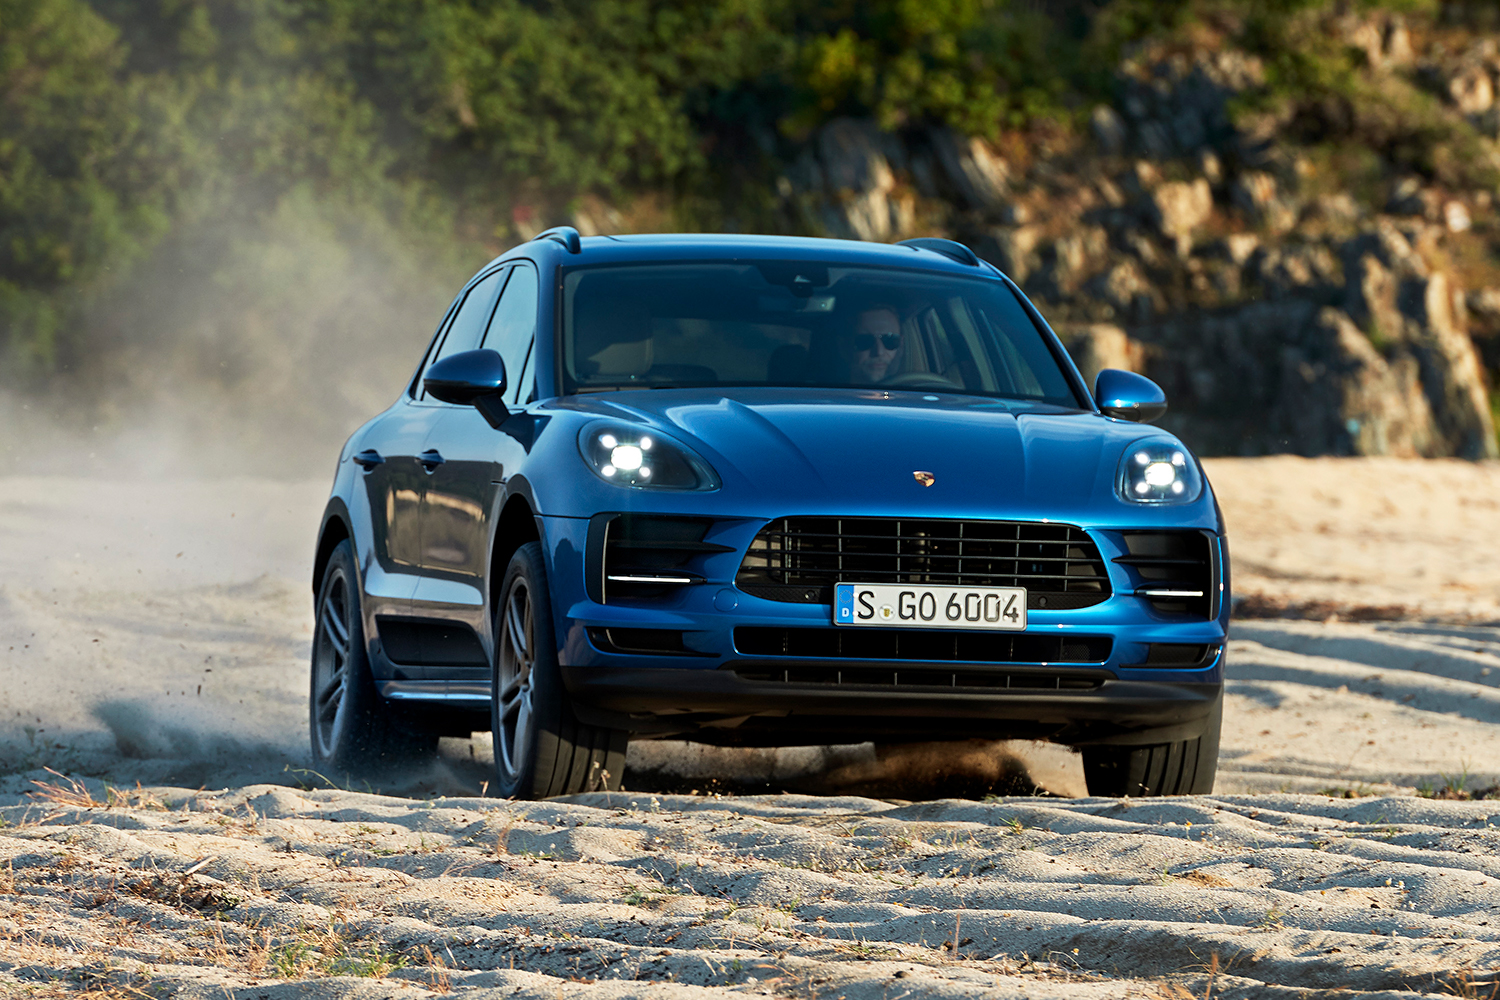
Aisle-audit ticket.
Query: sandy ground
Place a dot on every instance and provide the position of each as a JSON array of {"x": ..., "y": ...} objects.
[
  {"x": 158, "y": 635},
  {"x": 269, "y": 892},
  {"x": 1367, "y": 538}
]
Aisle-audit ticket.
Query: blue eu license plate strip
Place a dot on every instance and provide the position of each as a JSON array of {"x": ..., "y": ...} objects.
[{"x": 891, "y": 605}]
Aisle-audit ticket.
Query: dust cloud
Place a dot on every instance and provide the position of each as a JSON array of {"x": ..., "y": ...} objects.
[
  {"x": 162, "y": 491},
  {"x": 248, "y": 342}
]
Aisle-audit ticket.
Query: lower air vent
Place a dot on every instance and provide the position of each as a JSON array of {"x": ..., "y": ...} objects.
[
  {"x": 908, "y": 679},
  {"x": 919, "y": 645},
  {"x": 429, "y": 642},
  {"x": 1179, "y": 655},
  {"x": 636, "y": 557},
  {"x": 1174, "y": 570},
  {"x": 641, "y": 641}
]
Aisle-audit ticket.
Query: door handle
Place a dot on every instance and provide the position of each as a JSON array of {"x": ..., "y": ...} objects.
[
  {"x": 368, "y": 459},
  {"x": 430, "y": 459}
]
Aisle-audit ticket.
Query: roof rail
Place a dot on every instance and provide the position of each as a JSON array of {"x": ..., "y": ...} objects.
[
  {"x": 948, "y": 248},
  {"x": 566, "y": 235}
]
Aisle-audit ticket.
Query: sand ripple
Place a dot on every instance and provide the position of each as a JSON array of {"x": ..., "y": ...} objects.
[{"x": 334, "y": 893}]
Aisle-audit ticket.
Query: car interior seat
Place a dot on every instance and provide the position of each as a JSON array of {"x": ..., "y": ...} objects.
[{"x": 789, "y": 365}]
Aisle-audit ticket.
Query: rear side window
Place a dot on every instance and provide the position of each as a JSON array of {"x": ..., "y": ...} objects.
[
  {"x": 514, "y": 326},
  {"x": 465, "y": 330}
]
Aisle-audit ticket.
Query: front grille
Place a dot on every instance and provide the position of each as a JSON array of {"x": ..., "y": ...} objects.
[
  {"x": 919, "y": 644},
  {"x": 920, "y": 680},
  {"x": 1174, "y": 570},
  {"x": 798, "y": 559}
]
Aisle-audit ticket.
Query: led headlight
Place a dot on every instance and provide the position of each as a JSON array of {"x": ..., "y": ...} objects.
[
  {"x": 627, "y": 456},
  {"x": 1158, "y": 470}
]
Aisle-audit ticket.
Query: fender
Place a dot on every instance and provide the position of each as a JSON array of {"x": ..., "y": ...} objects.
[{"x": 335, "y": 526}]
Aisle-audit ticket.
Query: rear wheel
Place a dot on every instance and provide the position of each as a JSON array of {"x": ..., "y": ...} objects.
[
  {"x": 541, "y": 749},
  {"x": 1186, "y": 767},
  {"x": 355, "y": 732}
]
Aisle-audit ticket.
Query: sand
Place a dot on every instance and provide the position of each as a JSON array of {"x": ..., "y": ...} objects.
[
  {"x": 153, "y": 644},
  {"x": 266, "y": 891},
  {"x": 1364, "y": 538}
]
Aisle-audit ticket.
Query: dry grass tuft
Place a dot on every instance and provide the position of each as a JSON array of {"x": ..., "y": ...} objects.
[
  {"x": 334, "y": 950},
  {"x": 72, "y": 795},
  {"x": 186, "y": 890},
  {"x": 1471, "y": 985}
]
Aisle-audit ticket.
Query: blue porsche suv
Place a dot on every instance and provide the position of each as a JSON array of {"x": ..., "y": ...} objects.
[{"x": 764, "y": 491}]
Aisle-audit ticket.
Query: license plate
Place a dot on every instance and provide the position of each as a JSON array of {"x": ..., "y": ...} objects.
[{"x": 929, "y": 607}]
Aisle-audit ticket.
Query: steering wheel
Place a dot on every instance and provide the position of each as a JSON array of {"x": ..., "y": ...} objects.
[{"x": 929, "y": 380}]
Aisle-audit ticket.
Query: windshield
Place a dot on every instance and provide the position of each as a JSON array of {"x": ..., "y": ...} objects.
[{"x": 785, "y": 323}]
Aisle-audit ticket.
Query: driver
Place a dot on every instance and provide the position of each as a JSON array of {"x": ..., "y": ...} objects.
[{"x": 877, "y": 345}]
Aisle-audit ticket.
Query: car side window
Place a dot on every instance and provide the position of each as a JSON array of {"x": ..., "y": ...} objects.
[
  {"x": 464, "y": 332},
  {"x": 513, "y": 327},
  {"x": 527, "y": 378}
]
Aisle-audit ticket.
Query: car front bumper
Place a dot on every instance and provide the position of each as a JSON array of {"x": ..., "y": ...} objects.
[
  {"x": 725, "y": 706},
  {"x": 717, "y": 690}
]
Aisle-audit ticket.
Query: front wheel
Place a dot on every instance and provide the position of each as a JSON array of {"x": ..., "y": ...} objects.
[
  {"x": 541, "y": 749},
  {"x": 1186, "y": 767}
]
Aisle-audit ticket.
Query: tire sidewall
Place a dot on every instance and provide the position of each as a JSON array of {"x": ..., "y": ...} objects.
[
  {"x": 1208, "y": 751},
  {"x": 350, "y": 737},
  {"x": 547, "y": 698}
]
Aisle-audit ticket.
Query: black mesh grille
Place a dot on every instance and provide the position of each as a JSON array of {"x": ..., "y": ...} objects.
[
  {"x": 920, "y": 644},
  {"x": 799, "y": 559},
  {"x": 907, "y": 678}
]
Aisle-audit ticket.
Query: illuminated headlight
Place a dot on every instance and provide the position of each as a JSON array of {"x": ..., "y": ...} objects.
[
  {"x": 627, "y": 457},
  {"x": 1159, "y": 471}
]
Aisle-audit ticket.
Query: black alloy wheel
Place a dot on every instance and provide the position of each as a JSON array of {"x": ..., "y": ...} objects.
[
  {"x": 355, "y": 732},
  {"x": 515, "y": 721},
  {"x": 541, "y": 749}
]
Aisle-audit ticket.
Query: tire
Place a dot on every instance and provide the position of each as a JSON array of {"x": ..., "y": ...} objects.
[
  {"x": 355, "y": 732},
  {"x": 541, "y": 749},
  {"x": 1186, "y": 767}
]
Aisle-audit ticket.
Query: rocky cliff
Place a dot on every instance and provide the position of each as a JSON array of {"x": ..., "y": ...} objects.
[{"x": 1315, "y": 274}]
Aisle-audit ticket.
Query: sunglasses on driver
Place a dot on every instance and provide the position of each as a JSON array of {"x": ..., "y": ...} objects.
[{"x": 865, "y": 342}]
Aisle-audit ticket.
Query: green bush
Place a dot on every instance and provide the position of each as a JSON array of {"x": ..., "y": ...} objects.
[{"x": 77, "y": 195}]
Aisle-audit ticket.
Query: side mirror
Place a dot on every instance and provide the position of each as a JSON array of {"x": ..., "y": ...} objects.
[
  {"x": 1128, "y": 396},
  {"x": 471, "y": 378}
]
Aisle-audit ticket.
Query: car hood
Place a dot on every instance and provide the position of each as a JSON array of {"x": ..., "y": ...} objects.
[{"x": 860, "y": 451}]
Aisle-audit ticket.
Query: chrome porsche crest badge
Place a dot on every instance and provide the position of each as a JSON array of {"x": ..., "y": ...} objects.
[{"x": 925, "y": 478}]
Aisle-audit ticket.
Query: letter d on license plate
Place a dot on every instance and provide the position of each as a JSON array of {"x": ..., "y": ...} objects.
[{"x": 929, "y": 607}]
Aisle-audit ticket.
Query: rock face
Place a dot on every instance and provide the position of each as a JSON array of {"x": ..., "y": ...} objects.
[
  {"x": 1291, "y": 376},
  {"x": 1180, "y": 208},
  {"x": 1098, "y": 346},
  {"x": 853, "y": 181},
  {"x": 1281, "y": 310},
  {"x": 844, "y": 185},
  {"x": 1451, "y": 373},
  {"x": 981, "y": 178}
]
